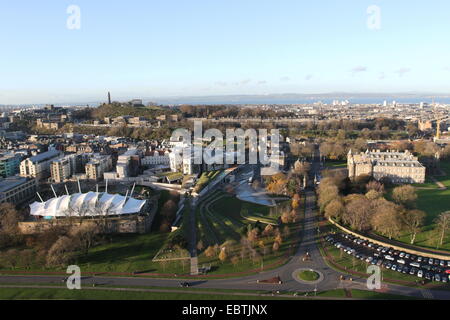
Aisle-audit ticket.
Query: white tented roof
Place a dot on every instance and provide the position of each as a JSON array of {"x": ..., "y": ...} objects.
[{"x": 89, "y": 204}]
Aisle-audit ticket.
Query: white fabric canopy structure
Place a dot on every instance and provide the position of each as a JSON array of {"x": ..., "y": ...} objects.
[{"x": 89, "y": 204}]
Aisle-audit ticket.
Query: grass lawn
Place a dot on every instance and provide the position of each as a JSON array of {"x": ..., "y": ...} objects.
[
  {"x": 126, "y": 253},
  {"x": 129, "y": 253},
  {"x": 335, "y": 164},
  {"x": 221, "y": 221},
  {"x": 65, "y": 294},
  {"x": 307, "y": 275},
  {"x": 362, "y": 294},
  {"x": 433, "y": 201},
  {"x": 205, "y": 179}
]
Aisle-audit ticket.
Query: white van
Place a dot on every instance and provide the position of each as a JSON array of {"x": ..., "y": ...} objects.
[{"x": 388, "y": 257}]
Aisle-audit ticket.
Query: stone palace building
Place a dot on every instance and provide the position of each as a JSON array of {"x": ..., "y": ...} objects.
[{"x": 398, "y": 167}]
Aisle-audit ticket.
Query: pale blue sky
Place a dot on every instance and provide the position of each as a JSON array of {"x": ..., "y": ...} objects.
[{"x": 159, "y": 48}]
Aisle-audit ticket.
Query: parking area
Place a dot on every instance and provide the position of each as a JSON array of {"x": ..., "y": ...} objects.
[{"x": 390, "y": 259}]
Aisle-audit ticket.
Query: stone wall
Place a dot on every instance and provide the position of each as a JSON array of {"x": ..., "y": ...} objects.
[{"x": 132, "y": 224}]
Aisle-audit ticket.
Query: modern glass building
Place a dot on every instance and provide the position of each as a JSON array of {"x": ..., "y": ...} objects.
[{"x": 9, "y": 165}]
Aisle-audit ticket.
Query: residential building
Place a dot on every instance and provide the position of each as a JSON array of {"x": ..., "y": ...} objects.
[
  {"x": 63, "y": 169},
  {"x": 157, "y": 157},
  {"x": 39, "y": 166},
  {"x": 97, "y": 166}
]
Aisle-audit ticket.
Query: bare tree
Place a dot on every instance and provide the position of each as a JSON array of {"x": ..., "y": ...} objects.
[
  {"x": 405, "y": 195},
  {"x": 442, "y": 225},
  {"x": 386, "y": 220},
  {"x": 62, "y": 252},
  {"x": 413, "y": 221}
]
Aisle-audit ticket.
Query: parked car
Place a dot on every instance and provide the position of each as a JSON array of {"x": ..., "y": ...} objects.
[
  {"x": 420, "y": 273},
  {"x": 405, "y": 270},
  {"x": 444, "y": 279},
  {"x": 394, "y": 267},
  {"x": 419, "y": 259},
  {"x": 402, "y": 254},
  {"x": 437, "y": 277},
  {"x": 412, "y": 271},
  {"x": 415, "y": 264},
  {"x": 442, "y": 263},
  {"x": 401, "y": 261},
  {"x": 390, "y": 258}
]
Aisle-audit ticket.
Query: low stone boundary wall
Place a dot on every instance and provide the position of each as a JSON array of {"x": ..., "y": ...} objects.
[{"x": 385, "y": 244}]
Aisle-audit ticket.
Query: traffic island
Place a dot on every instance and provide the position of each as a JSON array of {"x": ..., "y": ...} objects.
[{"x": 308, "y": 276}]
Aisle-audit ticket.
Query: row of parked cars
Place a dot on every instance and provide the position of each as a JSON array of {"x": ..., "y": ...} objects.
[{"x": 388, "y": 258}]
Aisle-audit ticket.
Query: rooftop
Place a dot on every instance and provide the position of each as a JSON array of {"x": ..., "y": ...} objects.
[
  {"x": 44, "y": 156},
  {"x": 9, "y": 183}
]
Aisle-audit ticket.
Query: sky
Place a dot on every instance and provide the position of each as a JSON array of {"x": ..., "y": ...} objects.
[{"x": 166, "y": 48}]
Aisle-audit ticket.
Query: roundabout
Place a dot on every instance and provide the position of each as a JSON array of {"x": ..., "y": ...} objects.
[{"x": 307, "y": 276}]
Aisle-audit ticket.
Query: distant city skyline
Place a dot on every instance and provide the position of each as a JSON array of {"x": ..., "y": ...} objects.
[{"x": 166, "y": 49}]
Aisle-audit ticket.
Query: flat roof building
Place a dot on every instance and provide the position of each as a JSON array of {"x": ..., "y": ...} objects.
[{"x": 17, "y": 189}]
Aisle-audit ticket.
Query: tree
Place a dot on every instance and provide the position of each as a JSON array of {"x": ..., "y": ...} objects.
[
  {"x": 386, "y": 219},
  {"x": 279, "y": 239},
  {"x": 26, "y": 258},
  {"x": 252, "y": 235},
  {"x": 285, "y": 217},
  {"x": 223, "y": 255},
  {"x": 442, "y": 225},
  {"x": 9, "y": 218},
  {"x": 84, "y": 236},
  {"x": 295, "y": 201},
  {"x": 200, "y": 245},
  {"x": 235, "y": 261},
  {"x": 413, "y": 221},
  {"x": 61, "y": 252},
  {"x": 358, "y": 213},
  {"x": 327, "y": 193},
  {"x": 210, "y": 252},
  {"x": 373, "y": 195},
  {"x": 405, "y": 195},
  {"x": 11, "y": 257},
  {"x": 375, "y": 185},
  {"x": 268, "y": 230},
  {"x": 276, "y": 246},
  {"x": 335, "y": 209}
]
